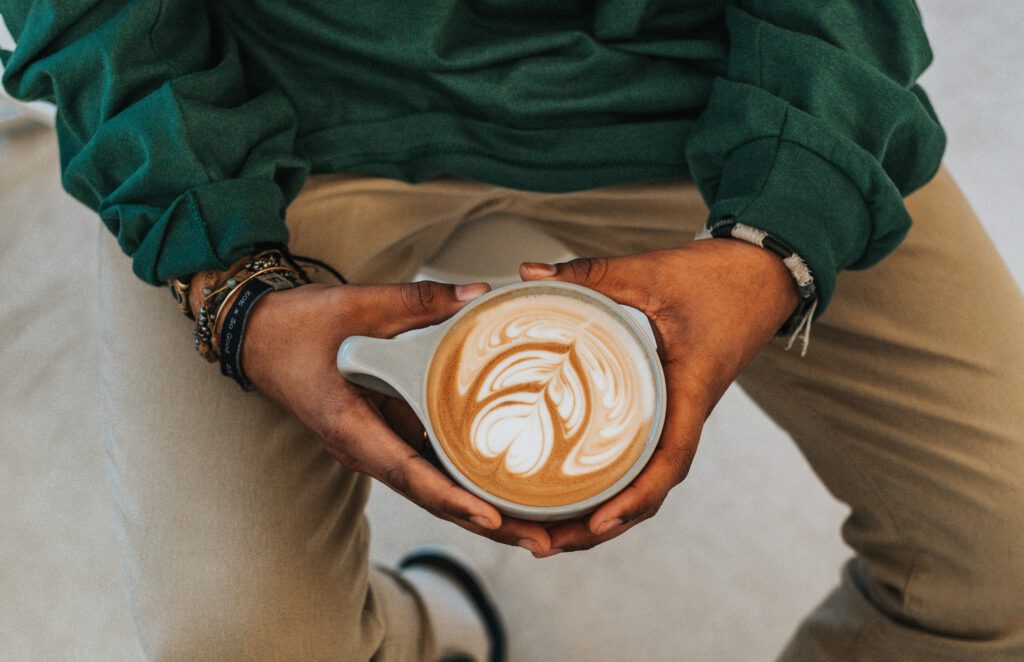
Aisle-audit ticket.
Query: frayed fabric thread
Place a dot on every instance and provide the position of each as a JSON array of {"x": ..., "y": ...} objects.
[{"x": 803, "y": 329}]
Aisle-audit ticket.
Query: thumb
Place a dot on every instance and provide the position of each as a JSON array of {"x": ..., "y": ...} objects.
[
  {"x": 413, "y": 305},
  {"x": 618, "y": 278}
]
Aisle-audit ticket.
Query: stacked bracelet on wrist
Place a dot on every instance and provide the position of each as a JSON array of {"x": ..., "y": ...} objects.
[
  {"x": 235, "y": 294},
  {"x": 217, "y": 294},
  {"x": 229, "y": 338}
]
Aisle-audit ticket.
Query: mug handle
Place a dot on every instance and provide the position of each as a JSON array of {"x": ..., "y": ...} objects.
[
  {"x": 364, "y": 361},
  {"x": 394, "y": 367}
]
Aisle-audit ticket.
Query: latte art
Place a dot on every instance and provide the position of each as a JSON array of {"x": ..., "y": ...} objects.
[
  {"x": 536, "y": 372},
  {"x": 541, "y": 399}
]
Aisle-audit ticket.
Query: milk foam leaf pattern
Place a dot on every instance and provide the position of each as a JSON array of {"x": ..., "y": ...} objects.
[
  {"x": 541, "y": 400},
  {"x": 550, "y": 388},
  {"x": 531, "y": 396}
]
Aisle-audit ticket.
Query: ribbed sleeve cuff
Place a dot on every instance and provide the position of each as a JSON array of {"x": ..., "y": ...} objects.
[
  {"x": 211, "y": 226},
  {"x": 763, "y": 163},
  {"x": 799, "y": 198}
]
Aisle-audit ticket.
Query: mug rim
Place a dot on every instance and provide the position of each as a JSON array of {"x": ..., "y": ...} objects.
[{"x": 563, "y": 511}]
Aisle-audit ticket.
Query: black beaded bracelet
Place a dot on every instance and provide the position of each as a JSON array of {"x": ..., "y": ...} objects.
[{"x": 233, "y": 331}]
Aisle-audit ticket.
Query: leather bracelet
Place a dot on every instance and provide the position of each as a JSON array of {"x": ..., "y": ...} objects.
[
  {"x": 233, "y": 332},
  {"x": 798, "y": 324}
]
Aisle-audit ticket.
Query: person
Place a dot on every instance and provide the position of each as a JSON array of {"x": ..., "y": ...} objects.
[{"x": 786, "y": 135}]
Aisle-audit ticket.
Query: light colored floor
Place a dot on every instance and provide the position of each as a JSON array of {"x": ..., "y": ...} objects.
[{"x": 741, "y": 550}]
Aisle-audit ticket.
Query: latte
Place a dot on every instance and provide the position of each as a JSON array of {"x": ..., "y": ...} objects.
[{"x": 541, "y": 398}]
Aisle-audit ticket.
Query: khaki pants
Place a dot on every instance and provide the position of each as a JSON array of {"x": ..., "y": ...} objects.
[{"x": 243, "y": 539}]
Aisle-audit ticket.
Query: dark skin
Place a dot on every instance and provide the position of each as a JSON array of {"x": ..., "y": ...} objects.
[{"x": 713, "y": 304}]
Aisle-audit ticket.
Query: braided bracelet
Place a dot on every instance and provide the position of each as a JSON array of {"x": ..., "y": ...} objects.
[{"x": 798, "y": 325}]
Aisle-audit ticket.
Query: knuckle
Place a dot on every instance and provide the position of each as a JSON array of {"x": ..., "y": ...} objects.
[
  {"x": 581, "y": 268},
  {"x": 414, "y": 298},
  {"x": 501, "y": 538},
  {"x": 683, "y": 472},
  {"x": 497, "y": 536},
  {"x": 641, "y": 509},
  {"x": 448, "y": 505},
  {"x": 426, "y": 291},
  {"x": 426, "y": 297},
  {"x": 677, "y": 463},
  {"x": 680, "y": 467},
  {"x": 347, "y": 460},
  {"x": 590, "y": 270},
  {"x": 650, "y": 511},
  {"x": 422, "y": 296},
  {"x": 397, "y": 478},
  {"x": 332, "y": 436}
]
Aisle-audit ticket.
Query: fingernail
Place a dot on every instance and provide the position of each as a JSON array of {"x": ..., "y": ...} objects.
[
  {"x": 530, "y": 546},
  {"x": 606, "y": 526},
  {"x": 540, "y": 269},
  {"x": 470, "y": 291},
  {"x": 549, "y": 554},
  {"x": 482, "y": 521}
]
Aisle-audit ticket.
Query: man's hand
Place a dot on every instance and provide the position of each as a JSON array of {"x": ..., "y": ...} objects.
[
  {"x": 290, "y": 348},
  {"x": 713, "y": 304}
]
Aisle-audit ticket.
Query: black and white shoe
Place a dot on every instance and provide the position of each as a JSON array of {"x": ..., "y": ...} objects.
[{"x": 456, "y": 567}]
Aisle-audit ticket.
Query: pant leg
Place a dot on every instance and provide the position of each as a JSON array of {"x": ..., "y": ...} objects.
[
  {"x": 903, "y": 406},
  {"x": 910, "y": 407},
  {"x": 617, "y": 220},
  {"x": 380, "y": 230},
  {"x": 242, "y": 538}
]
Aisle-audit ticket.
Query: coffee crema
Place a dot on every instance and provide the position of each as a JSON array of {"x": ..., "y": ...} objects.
[{"x": 541, "y": 399}]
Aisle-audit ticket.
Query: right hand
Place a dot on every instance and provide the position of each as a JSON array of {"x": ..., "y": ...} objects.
[{"x": 289, "y": 353}]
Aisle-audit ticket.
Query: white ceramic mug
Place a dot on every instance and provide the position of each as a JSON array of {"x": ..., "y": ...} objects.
[{"x": 399, "y": 367}]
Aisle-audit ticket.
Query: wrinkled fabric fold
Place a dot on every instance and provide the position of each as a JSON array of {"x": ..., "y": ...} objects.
[
  {"x": 819, "y": 129},
  {"x": 190, "y": 126},
  {"x": 186, "y": 157}
]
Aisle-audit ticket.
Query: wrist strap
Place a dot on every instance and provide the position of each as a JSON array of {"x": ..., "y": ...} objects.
[{"x": 233, "y": 331}]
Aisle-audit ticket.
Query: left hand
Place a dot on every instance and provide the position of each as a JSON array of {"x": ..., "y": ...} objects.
[{"x": 713, "y": 304}]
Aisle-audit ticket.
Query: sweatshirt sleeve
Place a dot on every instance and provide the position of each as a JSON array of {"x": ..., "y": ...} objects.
[
  {"x": 817, "y": 129},
  {"x": 186, "y": 161}
]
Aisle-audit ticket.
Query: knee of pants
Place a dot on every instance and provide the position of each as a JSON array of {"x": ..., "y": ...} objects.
[
  {"x": 971, "y": 585},
  {"x": 280, "y": 614}
]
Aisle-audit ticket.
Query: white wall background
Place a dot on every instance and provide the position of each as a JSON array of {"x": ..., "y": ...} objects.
[
  {"x": 745, "y": 547},
  {"x": 977, "y": 86}
]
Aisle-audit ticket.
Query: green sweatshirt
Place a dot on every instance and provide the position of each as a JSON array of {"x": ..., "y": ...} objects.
[{"x": 189, "y": 125}]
